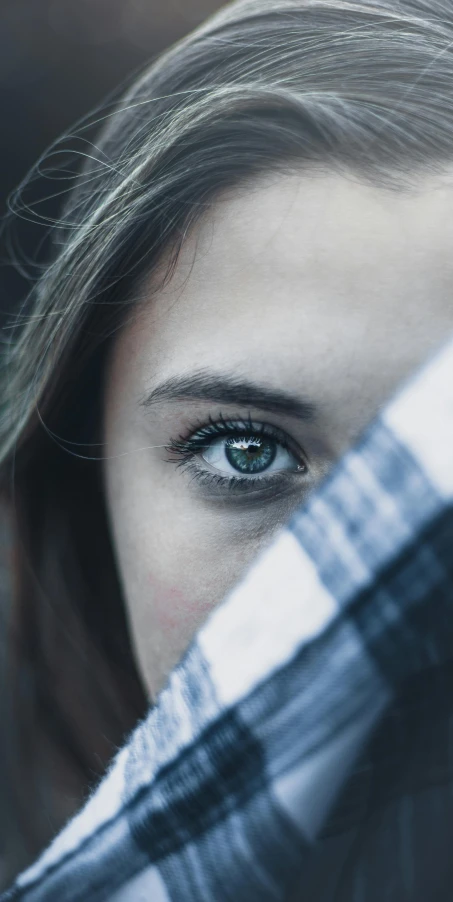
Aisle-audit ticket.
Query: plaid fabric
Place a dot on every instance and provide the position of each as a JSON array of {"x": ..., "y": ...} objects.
[{"x": 302, "y": 748}]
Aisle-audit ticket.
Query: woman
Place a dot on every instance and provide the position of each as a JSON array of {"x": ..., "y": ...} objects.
[{"x": 255, "y": 252}]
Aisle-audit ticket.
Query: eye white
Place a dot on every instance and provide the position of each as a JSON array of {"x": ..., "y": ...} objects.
[{"x": 215, "y": 456}]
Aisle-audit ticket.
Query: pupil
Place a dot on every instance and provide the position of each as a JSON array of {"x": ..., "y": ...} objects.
[{"x": 250, "y": 455}]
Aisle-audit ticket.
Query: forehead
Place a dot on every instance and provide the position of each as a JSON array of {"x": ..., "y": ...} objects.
[
  {"x": 316, "y": 226},
  {"x": 314, "y": 250},
  {"x": 315, "y": 282}
]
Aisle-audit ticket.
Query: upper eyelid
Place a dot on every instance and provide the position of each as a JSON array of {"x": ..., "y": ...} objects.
[
  {"x": 223, "y": 426},
  {"x": 238, "y": 427}
]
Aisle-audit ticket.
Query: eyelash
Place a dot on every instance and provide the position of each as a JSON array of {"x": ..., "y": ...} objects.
[{"x": 200, "y": 437}]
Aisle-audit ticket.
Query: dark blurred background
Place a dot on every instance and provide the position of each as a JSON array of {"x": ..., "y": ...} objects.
[{"x": 58, "y": 59}]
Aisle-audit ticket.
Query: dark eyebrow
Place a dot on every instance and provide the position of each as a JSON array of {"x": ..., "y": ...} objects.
[{"x": 210, "y": 386}]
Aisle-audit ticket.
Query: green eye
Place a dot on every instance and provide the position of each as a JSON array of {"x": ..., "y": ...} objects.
[
  {"x": 229, "y": 454},
  {"x": 250, "y": 454}
]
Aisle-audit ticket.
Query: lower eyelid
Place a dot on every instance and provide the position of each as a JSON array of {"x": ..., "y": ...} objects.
[
  {"x": 210, "y": 476},
  {"x": 280, "y": 488}
]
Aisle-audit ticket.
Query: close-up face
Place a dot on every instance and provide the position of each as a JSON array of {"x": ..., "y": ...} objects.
[{"x": 295, "y": 310}]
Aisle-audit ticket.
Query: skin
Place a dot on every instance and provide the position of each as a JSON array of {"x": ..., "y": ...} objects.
[{"x": 315, "y": 285}]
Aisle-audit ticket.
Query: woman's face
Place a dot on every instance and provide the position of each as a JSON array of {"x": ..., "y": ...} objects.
[{"x": 296, "y": 308}]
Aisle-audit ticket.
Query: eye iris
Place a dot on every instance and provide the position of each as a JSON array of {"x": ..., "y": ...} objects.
[{"x": 250, "y": 454}]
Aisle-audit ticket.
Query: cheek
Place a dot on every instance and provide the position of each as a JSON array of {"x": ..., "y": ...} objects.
[
  {"x": 176, "y": 612},
  {"x": 165, "y": 613}
]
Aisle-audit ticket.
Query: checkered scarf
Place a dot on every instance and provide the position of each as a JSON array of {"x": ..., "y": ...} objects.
[{"x": 301, "y": 750}]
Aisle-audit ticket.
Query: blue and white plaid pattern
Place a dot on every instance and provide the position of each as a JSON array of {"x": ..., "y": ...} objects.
[{"x": 303, "y": 744}]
